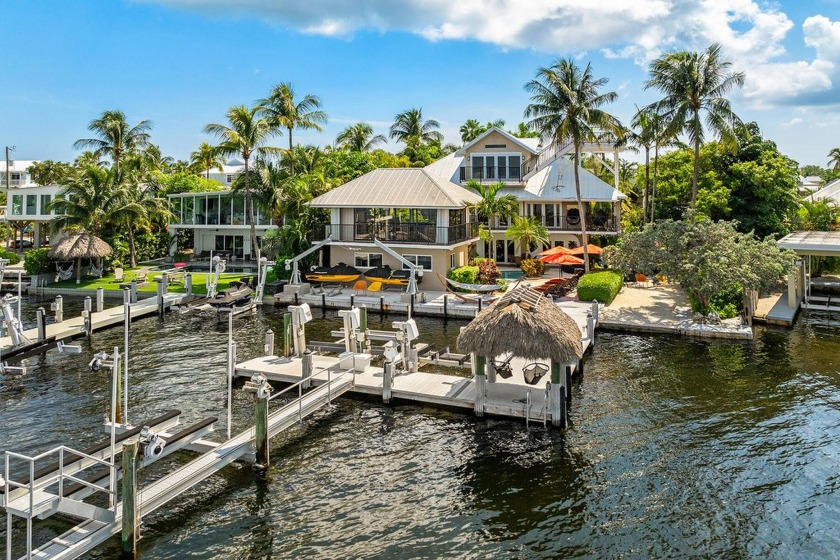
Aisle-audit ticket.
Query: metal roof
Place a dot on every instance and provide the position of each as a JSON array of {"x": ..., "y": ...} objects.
[
  {"x": 557, "y": 182},
  {"x": 529, "y": 144},
  {"x": 411, "y": 187},
  {"x": 830, "y": 192},
  {"x": 825, "y": 243}
]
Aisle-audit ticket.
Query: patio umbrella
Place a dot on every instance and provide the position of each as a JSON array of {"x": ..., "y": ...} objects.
[
  {"x": 526, "y": 324},
  {"x": 561, "y": 259},
  {"x": 80, "y": 246},
  {"x": 559, "y": 250},
  {"x": 592, "y": 250}
]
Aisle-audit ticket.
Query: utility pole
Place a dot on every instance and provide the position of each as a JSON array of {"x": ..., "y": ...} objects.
[{"x": 8, "y": 180}]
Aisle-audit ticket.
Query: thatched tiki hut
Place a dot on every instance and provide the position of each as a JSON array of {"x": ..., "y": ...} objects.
[
  {"x": 529, "y": 326},
  {"x": 80, "y": 246}
]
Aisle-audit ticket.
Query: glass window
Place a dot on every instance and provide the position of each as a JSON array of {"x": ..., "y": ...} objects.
[
  {"x": 188, "y": 204},
  {"x": 238, "y": 213},
  {"x": 225, "y": 203},
  {"x": 500, "y": 250},
  {"x": 229, "y": 179},
  {"x": 14, "y": 176},
  {"x": 17, "y": 204},
  {"x": 175, "y": 208},
  {"x": 213, "y": 210},
  {"x": 538, "y": 211},
  {"x": 514, "y": 166},
  {"x": 419, "y": 260},
  {"x": 31, "y": 204},
  {"x": 501, "y": 163},
  {"x": 457, "y": 217},
  {"x": 372, "y": 260},
  {"x": 201, "y": 210},
  {"x": 549, "y": 215},
  {"x": 477, "y": 167},
  {"x": 45, "y": 203}
]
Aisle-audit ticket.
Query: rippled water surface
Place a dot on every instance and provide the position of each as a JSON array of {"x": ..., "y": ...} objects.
[{"x": 677, "y": 448}]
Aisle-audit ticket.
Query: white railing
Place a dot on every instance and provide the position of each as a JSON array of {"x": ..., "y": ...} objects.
[{"x": 299, "y": 385}]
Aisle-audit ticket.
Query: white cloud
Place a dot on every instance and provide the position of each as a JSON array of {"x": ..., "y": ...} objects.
[
  {"x": 752, "y": 32},
  {"x": 793, "y": 122}
]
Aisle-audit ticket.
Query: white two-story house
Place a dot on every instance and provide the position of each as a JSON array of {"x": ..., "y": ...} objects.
[{"x": 27, "y": 203}]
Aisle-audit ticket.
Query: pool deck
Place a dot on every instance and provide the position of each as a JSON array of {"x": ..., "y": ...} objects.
[{"x": 664, "y": 309}]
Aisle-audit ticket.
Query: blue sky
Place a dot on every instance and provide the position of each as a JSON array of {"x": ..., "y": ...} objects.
[{"x": 182, "y": 63}]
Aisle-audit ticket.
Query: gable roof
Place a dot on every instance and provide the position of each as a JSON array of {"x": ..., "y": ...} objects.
[
  {"x": 411, "y": 187},
  {"x": 829, "y": 192},
  {"x": 557, "y": 182},
  {"x": 511, "y": 137}
]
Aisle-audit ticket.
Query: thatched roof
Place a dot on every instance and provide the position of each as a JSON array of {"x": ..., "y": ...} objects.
[
  {"x": 528, "y": 325},
  {"x": 80, "y": 246}
]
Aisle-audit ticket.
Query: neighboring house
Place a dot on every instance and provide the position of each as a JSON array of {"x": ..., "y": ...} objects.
[
  {"x": 26, "y": 202},
  {"x": 420, "y": 215},
  {"x": 218, "y": 220},
  {"x": 543, "y": 181},
  {"x": 228, "y": 173},
  {"x": 829, "y": 193},
  {"x": 809, "y": 185}
]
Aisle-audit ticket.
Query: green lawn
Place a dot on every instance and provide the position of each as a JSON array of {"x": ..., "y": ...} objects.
[{"x": 108, "y": 283}]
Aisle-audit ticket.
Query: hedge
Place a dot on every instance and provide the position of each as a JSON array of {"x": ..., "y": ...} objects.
[
  {"x": 602, "y": 286},
  {"x": 38, "y": 261},
  {"x": 13, "y": 258},
  {"x": 464, "y": 274}
]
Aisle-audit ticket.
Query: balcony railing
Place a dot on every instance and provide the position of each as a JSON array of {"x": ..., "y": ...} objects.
[
  {"x": 426, "y": 234},
  {"x": 491, "y": 173},
  {"x": 594, "y": 222}
]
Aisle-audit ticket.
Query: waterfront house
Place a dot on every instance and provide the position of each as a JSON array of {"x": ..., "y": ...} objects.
[
  {"x": 27, "y": 203},
  {"x": 422, "y": 216}
]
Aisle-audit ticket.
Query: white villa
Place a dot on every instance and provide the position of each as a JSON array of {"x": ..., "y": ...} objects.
[
  {"x": 425, "y": 214},
  {"x": 26, "y": 202}
]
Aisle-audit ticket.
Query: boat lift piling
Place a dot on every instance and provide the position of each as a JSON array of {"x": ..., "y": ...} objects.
[
  {"x": 126, "y": 329},
  {"x": 88, "y": 320},
  {"x": 58, "y": 307},
  {"x": 41, "y": 318},
  {"x": 268, "y": 347},
  {"x": 128, "y": 535},
  {"x": 100, "y": 299}
]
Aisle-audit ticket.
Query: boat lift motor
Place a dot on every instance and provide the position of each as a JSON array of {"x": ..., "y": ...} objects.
[
  {"x": 152, "y": 443},
  {"x": 406, "y": 333},
  {"x": 352, "y": 321},
  {"x": 213, "y": 280},
  {"x": 262, "y": 272},
  {"x": 301, "y": 314},
  {"x": 259, "y": 386},
  {"x": 12, "y": 323}
]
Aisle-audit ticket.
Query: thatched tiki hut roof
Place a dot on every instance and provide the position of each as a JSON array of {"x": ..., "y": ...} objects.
[
  {"x": 80, "y": 246},
  {"x": 528, "y": 325}
]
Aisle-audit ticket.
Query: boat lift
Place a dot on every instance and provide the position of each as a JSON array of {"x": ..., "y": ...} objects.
[
  {"x": 416, "y": 270},
  {"x": 293, "y": 262}
]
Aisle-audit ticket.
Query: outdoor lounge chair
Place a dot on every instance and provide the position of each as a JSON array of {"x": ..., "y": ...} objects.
[
  {"x": 533, "y": 372},
  {"x": 373, "y": 288},
  {"x": 119, "y": 275}
]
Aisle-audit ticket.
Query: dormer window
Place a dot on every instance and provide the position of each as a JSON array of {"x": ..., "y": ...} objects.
[
  {"x": 498, "y": 167},
  {"x": 229, "y": 178},
  {"x": 495, "y": 146}
]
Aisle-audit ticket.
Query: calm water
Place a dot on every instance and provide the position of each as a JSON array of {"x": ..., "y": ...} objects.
[{"x": 677, "y": 448}]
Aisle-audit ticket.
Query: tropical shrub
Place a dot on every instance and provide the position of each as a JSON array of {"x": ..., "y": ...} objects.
[
  {"x": 10, "y": 256},
  {"x": 488, "y": 272},
  {"x": 726, "y": 304},
  {"x": 464, "y": 274},
  {"x": 602, "y": 286},
  {"x": 279, "y": 269},
  {"x": 38, "y": 261},
  {"x": 533, "y": 268}
]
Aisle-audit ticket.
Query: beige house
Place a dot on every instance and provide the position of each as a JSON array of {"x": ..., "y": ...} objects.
[
  {"x": 542, "y": 179},
  {"x": 420, "y": 215}
]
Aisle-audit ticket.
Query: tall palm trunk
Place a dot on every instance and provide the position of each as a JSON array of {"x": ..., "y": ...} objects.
[
  {"x": 249, "y": 201},
  {"x": 132, "y": 252},
  {"x": 647, "y": 186},
  {"x": 653, "y": 188},
  {"x": 697, "y": 129},
  {"x": 583, "y": 235},
  {"x": 290, "y": 138},
  {"x": 207, "y": 173}
]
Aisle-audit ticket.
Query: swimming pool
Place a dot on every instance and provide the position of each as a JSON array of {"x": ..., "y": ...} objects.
[{"x": 512, "y": 274}]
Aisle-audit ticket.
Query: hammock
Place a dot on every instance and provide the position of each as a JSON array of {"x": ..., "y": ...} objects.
[
  {"x": 65, "y": 273},
  {"x": 478, "y": 288},
  {"x": 94, "y": 270}
]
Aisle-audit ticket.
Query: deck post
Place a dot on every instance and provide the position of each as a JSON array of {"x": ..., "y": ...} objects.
[
  {"x": 188, "y": 283},
  {"x": 791, "y": 290},
  {"x": 414, "y": 358},
  {"x": 387, "y": 381},
  {"x": 364, "y": 342},
  {"x": 128, "y": 536},
  {"x": 160, "y": 296},
  {"x": 87, "y": 315},
  {"x": 579, "y": 369},
  {"x": 269, "y": 343},
  {"x": 590, "y": 329},
  {"x": 42, "y": 324},
  {"x": 306, "y": 369},
  {"x": 491, "y": 371},
  {"x": 100, "y": 299},
  {"x": 556, "y": 401},
  {"x": 567, "y": 382},
  {"x": 133, "y": 290},
  {"x": 59, "y": 309},
  {"x": 261, "y": 429},
  {"x": 411, "y": 308},
  {"x": 287, "y": 334},
  {"x": 595, "y": 310},
  {"x": 480, "y": 364},
  {"x": 445, "y": 306},
  {"x": 164, "y": 279},
  {"x": 381, "y": 305}
]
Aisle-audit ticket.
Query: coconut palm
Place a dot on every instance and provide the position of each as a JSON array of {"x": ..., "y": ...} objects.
[
  {"x": 282, "y": 111},
  {"x": 470, "y": 130},
  {"x": 834, "y": 159},
  {"x": 528, "y": 232},
  {"x": 245, "y": 135},
  {"x": 409, "y": 126},
  {"x": 49, "y": 172},
  {"x": 693, "y": 84},
  {"x": 359, "y": 137},
  {"x": 115, "y": 137},
  {"x": 492, "y": 205},
  {"x": 205, "y": 158},
  {"x": 566, "y": 106}
]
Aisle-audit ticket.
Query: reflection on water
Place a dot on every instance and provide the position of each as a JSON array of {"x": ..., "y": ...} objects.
[{"x": 677, "y": 447}]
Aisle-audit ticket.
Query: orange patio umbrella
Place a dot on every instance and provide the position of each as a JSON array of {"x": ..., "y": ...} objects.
[
  {"x": 561, "y": 259},
  {"x": 593, "y": 250},
  {"x": 559, "y": 250}
]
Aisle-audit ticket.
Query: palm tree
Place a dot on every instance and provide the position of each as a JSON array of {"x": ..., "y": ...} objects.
[
  {"x": 359, "y": 137},
  {"x": 89, "y": 201},
  {"x": 114, "y": 136},
  {"x": 522, "y": 131},
  {"x": 470, "y": 130},
  {"x": 693, "y": 83},
  {"x": 281, "y": 110},
  {"x": 528, "y": 232},
  {"x": 49, "y": 172},
  {"x": 644, "y": 137},
  {"x": 245, "y": 135},
  {"x": 409, "y": 126},
  {"x": 834, "y": 159},
  {"x": 492, "y": 205},
  {"x": 566, "y": 106},
  {"x": 205, "y": 158}
]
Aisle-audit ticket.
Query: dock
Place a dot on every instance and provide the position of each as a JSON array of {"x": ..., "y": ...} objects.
[{"x": 511, "y": 398}]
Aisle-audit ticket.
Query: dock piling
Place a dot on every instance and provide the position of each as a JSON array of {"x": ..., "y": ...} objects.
[
  {"x": 590, "y": 328},
  {"x": 164, "y": 279},
  {"x": 59, "y": 309},
  {"x": 567, "y": 383},
  {"x": 126, "y": 330},
  {"x": 261, "y": 428},
  {"x": 88, "y": 326},
  {"x": 133, "y": 289},
  {"x": 160, "y": 297},
  {"x": 387, "y": 381},
  {"x": 287, "y": 334},
  {"x": 480, "y": 387},
  {"x": 580, "y": 368},
  {"x": 269, "y": 343},
  {"x": 100, "y": 299},
  {"x": 557, "y": 402},
  {"x": 352, "y": 297},
  {"x": 188, "y": 283},
  {"x": 381, "y": 305},
  {"x": 445, "y": 306},
  {"x": 42, "y": 324},
  {"x": 595, "y": 310},
  {"x": 128, "y": 536},
  {"x": 306, "y": 369}
]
